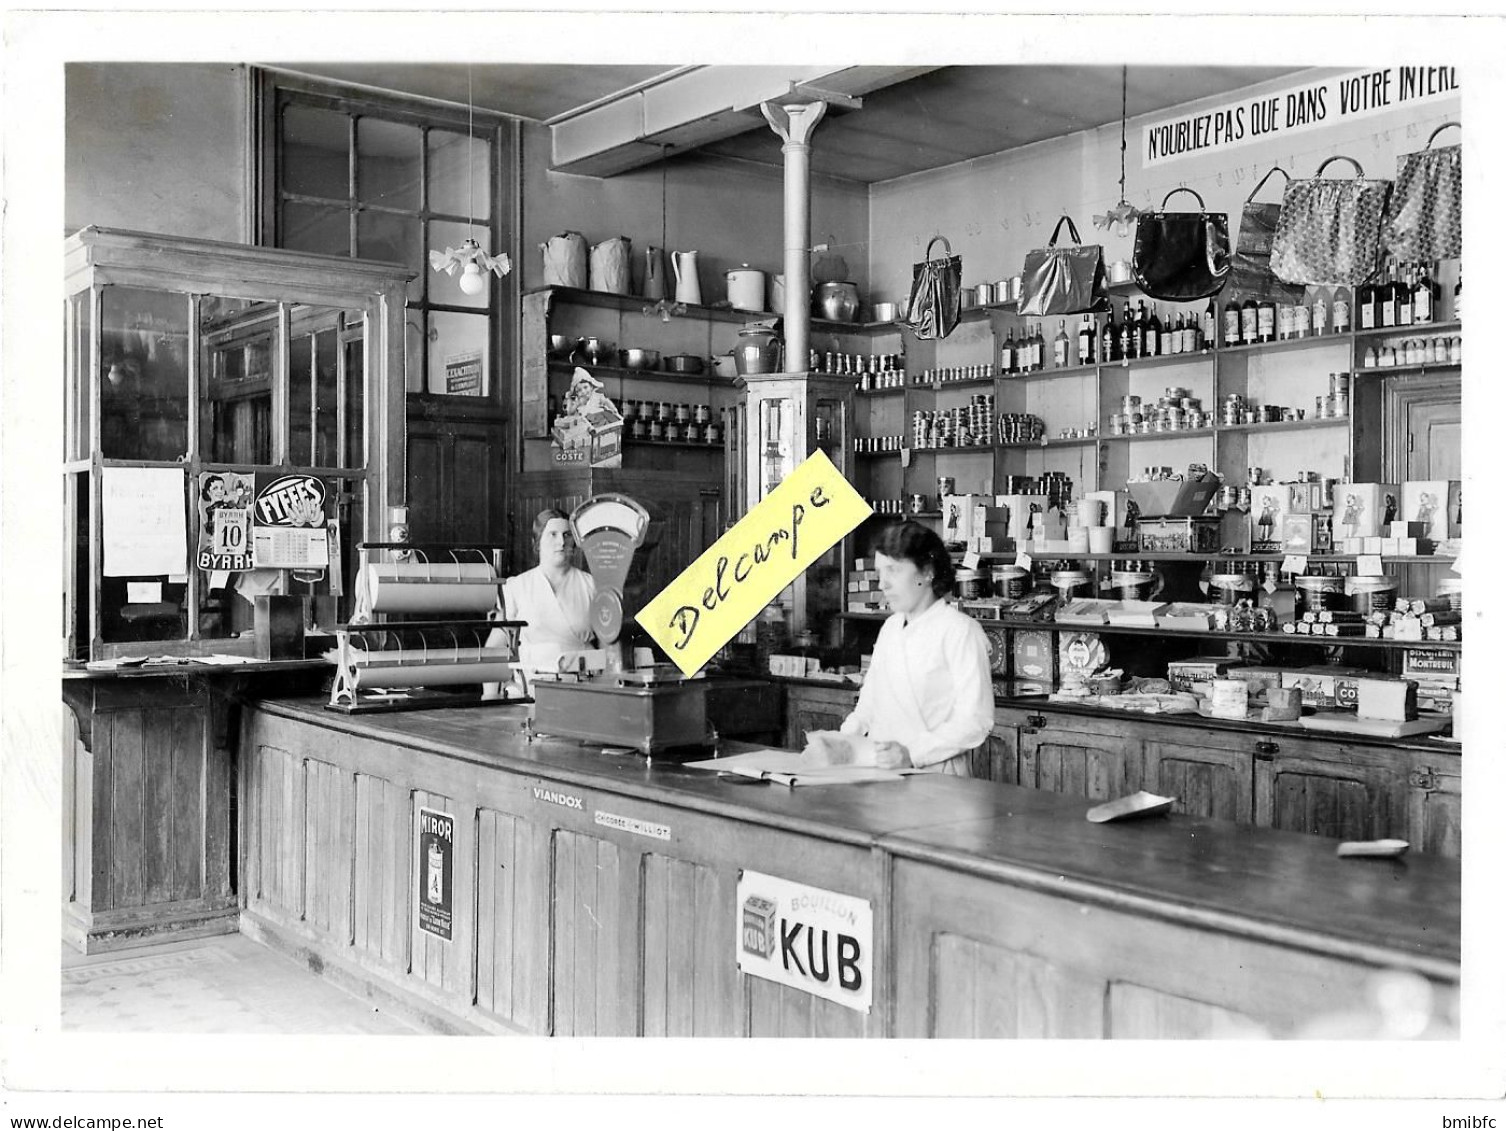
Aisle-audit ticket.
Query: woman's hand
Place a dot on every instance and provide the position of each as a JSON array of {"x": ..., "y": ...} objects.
[{"x": 891, "y": 755}]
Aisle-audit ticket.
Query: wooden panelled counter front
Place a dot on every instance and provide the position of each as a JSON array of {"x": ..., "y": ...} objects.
[{"x": 597, "y": 894}]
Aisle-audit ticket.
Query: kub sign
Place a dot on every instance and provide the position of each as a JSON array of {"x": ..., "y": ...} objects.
[{"x": 806, "y": 938}]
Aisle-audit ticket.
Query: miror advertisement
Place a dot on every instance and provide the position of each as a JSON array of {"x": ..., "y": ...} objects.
[{"x": 436, "y": 873}]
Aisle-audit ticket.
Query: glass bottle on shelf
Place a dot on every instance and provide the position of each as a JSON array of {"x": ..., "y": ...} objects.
[
  {"x": 1059, "y": 345},
  {"x": 1249, "y": 322},
  {"x": 1006, "y": 353},
  {"x": 1266, "y": 320},
  {"x": 1233, "y": 324},
  {"x": 1364, "y": 298},
  {"x": 1402, "y": 294},
  {"x": 1319, "y": 317},
  {"x": 1150, "y": 338},
  {"x": 1111, "y": 343},
  {"x": 1302, "y": 317},
  {"x": 1129, "y": 336},
  {"x": 1459, "y": 297},
  {"x": 1038, "y": 357},
  {"x": 1085, "y": 339},
  {"x": 1208, "y": 329},
  {"x": 1342, "y": 311},
  {"x": 1423, "y": 290}
]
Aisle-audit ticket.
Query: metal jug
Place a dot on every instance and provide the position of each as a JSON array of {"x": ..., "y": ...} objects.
[
  {"x": 655, "y": 273},
  {"x": 687, "y": 277}
]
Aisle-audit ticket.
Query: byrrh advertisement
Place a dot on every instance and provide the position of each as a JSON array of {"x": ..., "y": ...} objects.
[{"x": 806, "y": 938}]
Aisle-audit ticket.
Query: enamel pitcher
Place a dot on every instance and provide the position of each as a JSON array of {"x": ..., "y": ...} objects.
[
  {"x": 687, "y": 277},
  {"x": 655, "y": 273}
]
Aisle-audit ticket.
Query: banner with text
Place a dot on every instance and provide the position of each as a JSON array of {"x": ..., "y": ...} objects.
[
  {"x": 806, "y": 938},
  {"x": 1325, "y": 102},
  {"x": 727, "y": 586}
]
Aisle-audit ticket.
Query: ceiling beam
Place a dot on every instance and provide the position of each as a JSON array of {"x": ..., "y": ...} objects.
[{"x": 694, "y": 107}]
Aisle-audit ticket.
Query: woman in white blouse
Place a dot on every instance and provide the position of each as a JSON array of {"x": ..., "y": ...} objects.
[
  {"x": 928, "y": 697},
  {"x": 554, "y": 598}
]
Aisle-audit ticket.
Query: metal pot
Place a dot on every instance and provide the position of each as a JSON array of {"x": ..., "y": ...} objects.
[
  {"x": 684, "y": 363},
  {"x": 837, "y": 302},
  {"x": 640, "y": 359},
  {"x": 757, "y": 351},
  {"x": 745, "y": 288},
  {"x": 595, "y": 350},
  {"x": 562, "y": 345},
  {"x": 885, "y": 311},
  {"x": 726, "y": 365}
]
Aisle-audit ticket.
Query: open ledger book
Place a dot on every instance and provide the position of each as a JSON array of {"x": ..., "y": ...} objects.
[{"x": 828, "y": 759}]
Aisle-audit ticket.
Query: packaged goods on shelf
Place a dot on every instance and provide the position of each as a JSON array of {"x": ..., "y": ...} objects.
[
  {"x": 1186, "y": 675},
  {"x": 1034, "y": 656},
  {"x": 1320, "y": 686},
  {"x": 1024, "y": 513},
  {"x": 1185, "y": 534},
  {"x": 1432, "y": 502},
  {"x": 1187, "y": 494},
  {"x": 1268, "y": 510},
  {"x": 1184, "y": 616}
]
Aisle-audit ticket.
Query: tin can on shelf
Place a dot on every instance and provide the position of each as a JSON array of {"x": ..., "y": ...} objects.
[
  {"x": 919, "y": 504},
  {"x": 1453, "y": 589},
  {"x": 1372, "y": 593},
  {"x": 713, "y": 433},
  {"x": 656, "y": 430},
  {"x": 1231, "y": 588},
  {"x": 945, "y": 485},
  {"x": 970, "y": 584},
  {"x": 1011, "y": 581},
  {"x": 1316, "y": 592}
]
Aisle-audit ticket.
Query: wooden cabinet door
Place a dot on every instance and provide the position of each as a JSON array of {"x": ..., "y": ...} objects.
[
  {"x": 814, "y": 708},
  {"x": 998, "y": 759},
  {"x": 1085, "y": 760},
  {"x": 1433, "y": 807},
  {"x": 1330, "y": 789},
  {"x": 455, "y": 481},
  {"x": 1207, "y": 780}
]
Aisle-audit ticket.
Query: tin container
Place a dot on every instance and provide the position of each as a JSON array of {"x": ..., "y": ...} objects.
[
  {"x": 1071, "y": 584},
  {"x": 713, "y": 433},
  {"x": 970, "y": 584},
  {"x": 985, "y": 294},
  {"x": 1231, "y": 588},
  {"x": 682, "y": 414},
  {"x": 1316, "y": 593},
  {"x": 656, "y": 430},
  {"x": 1011, "y": 581},
  {"x": 945, "y": 485},
  {"x": 1453, "y": 589},
  {"x": 1374, "y": 593},
  {"x": 919, "y": 504}
]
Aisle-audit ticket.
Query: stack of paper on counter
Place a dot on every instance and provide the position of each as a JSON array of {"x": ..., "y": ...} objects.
[{"x": 786, "y": 767}]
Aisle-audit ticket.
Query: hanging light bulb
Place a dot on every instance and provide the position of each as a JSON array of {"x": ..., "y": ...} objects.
[
  {"x": 1122, "y": 217},
  {"x": 469, "y": 254},
  {"x": 471, "y": 279}
]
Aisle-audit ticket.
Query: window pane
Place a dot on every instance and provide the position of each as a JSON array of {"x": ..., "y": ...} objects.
[
  {"x": 387, "y": 165},
  {"x": 238, "y": 341},
  {"x": 300, "y": 398},
  {"x": 326, "y": 398},
  {"x": 83, "y": 310},
  {"x": 315, "y": 152},
  {"x": 459, "y": 175},
  {"x": 393, "y": 239},
  {"x": 308, "y": 227},
  {"x": 445, "y": 288},
  {"x": 144, "y": 363},
  {"x": 355, "y": 403},
  {"x": 458, "y": 355},
  {"x": 415, "y": 336}
]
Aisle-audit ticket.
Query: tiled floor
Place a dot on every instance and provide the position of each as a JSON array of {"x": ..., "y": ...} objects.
[{"x": 226, "y": 984}]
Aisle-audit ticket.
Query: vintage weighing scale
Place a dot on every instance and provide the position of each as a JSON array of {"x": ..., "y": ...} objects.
[
  {"x": 650, "y": 710},
  {"x": 422, "y": 635}
]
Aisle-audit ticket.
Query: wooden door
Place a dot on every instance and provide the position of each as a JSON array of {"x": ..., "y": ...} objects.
[
  {"x": 1084, "y": 761},
  {"x": 455, "y": 481},
  {"x": 1434, "y": 802},
  {"x": 1330, "y": 789},
  {"x": 1424, "y": 414},
  {"x": 998, "y": 759},
  {"x": 814, "y": 708},
  {"x": 1207, "y": 780}
]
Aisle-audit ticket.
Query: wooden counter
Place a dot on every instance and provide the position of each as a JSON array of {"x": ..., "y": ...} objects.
[{"x": 570, "y": 924}]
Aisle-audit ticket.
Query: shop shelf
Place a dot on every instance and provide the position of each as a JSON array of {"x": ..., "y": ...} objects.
[
  {"x": 1138, "y": 437},
  {"x": 1419, "y": 329},
  {"x": 1048, "y": 443},
  {"x": 1286, "y": 425},
  {"x": 620, "y": 372},
  {"x": 940, "y": 386},
  {"x": 1381, "y": 370},
  {"x": 1161, "y": 361},
  {"x": 1290, "y": 344}
]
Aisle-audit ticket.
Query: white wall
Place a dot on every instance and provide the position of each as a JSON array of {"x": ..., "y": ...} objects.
[
  {"x": 995, "y": 209},
  {"x": 157, "y": 147}
]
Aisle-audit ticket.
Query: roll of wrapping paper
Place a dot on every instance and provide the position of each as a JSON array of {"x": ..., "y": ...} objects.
[
  {"x": 449, "y": 671},
  {"x": 454, "y": 589}
]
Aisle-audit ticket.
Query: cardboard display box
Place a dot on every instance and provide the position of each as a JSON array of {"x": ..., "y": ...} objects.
[{"x": 1190, "y": 496}]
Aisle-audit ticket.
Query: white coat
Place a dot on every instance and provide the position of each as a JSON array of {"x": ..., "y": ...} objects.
[
  {"x": 557, "y": 622},
  {"x": 929, "y": 687}
]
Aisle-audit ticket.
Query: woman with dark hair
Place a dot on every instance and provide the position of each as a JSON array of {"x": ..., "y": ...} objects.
[
  {"x": 554, "y": 598},
  {"x": 928, "y": 698}
]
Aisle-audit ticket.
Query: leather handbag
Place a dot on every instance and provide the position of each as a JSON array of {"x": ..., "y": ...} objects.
[
  {"x": 1329, "y": 231},
  {"x": 1423, "y": 220},
  {"x": 1181, "y": 256},
  {"x": 1250, "y": 275},
  {"x": 1064, "y": 280},
  {"x": 936, "y": 293}
]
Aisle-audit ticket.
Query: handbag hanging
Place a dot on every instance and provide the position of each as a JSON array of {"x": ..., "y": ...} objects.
[
  {"x": 1180, "y": 256},
  {"x": 1423, "y": 219},
  {"x": 1064, "y": 280},
  {"x": 1250, "y": 275},
  {"x": 936, "y": 293},
  {"x": 1329, "y": 231}
]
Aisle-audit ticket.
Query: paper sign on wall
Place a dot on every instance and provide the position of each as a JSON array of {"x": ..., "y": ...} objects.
[
  {"x": 224, "y": 510},
  {"x": 746, "y": 568},
  {"x": 145, "y": 522},
  {"x": 436, "y": 859},
  {"x": 289, "y": 522},
  {"x": 806, "y": 938}
]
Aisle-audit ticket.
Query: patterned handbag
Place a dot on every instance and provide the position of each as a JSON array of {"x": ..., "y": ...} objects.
[
  {"x": 1329, "y": 231},
  {"x": 1423, "y": 220},
  {"x": 1250, "y": 275}
]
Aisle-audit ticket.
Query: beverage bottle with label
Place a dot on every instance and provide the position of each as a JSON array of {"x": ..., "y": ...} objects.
[
  {"x": 1085, "y": 336},
  {"x": 1233, "y": 319},
  {"x": 1459, "y": 297},
  {"x": 1320, "y": 314},
  {"x": 1402, "y": 291},
  {"x": 1302, "y": 318},
  {"x": 1387, "y": 297},
  {"x": 1364, "y": 299},
  {"x": 1423, "y": 293},
  {"x": 1283, "y": 322},
  {"x": 1249, "y": 322},
  {"x": 1006, "y": 353},
  {"x": 1111, "y": 342},
  {"x": 1059, "y": 346},
  {"x": 1341, "y": 311},
  {"x": 1208, "y": 329},
  {"x": 1266, "y": 321},
  {"x": 1172, "y": 335},
  {"x": 1150, "y": 340},
  {"x": 1129, "y": 336},
  {"x": 1038, "y": 348}
]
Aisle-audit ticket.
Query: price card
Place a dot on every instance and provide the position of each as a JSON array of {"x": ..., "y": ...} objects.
[
  {"x": 1023, "y": 560},
  {"x": 1368, "y": 565},
  {"x": 971, "y": 559},
  {"x": 1294, "y": 563},
  {"x": 1458, "y": 566},
  {"x": 904, "y": 457}
]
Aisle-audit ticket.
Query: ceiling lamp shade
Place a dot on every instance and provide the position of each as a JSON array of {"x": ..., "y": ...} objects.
[{"x": 472, "y": 262}]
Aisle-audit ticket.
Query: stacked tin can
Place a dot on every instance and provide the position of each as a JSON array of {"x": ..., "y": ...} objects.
[
  {"x": 968, "y": 426},
  {"x": 1020, "y": 428},
  {"x": 1129, "y": 417},
  {"x": 1336, "y": 403}
]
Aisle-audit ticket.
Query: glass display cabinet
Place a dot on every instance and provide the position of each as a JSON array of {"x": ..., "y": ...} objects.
[
  {"x": 782, "y": 419},
  {"x": 199, "y": 377}
]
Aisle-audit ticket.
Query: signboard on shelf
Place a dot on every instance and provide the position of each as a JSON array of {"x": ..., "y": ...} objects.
[
  {"x": 810, "y": 939},
  {"x": 1326, "y": 102},
  {"x": 589, "y": 430},
  {"x": 436, "y": 859}
]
